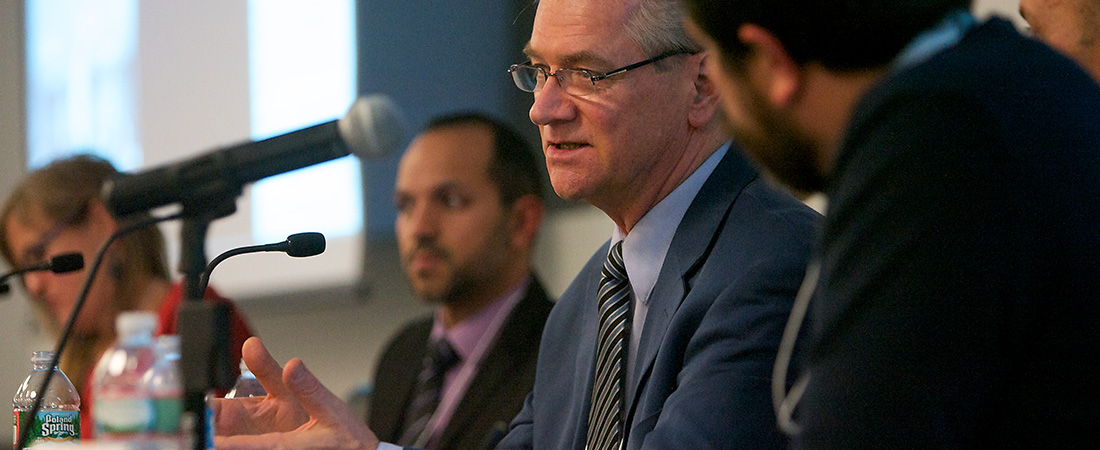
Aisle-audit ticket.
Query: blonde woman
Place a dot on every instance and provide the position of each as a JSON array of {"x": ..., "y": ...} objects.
[{"x": 56, "y": 210}]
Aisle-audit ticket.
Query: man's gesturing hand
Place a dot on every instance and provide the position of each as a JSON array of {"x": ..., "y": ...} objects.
[{"x": 298, "y": 412}]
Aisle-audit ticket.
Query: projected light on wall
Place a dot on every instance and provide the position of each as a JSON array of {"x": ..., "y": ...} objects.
[
  {"x": 144, "y": 84},
  {"x": 81, "y": 77},
  {"x": 302, "y": 72},
  {"x": 82, "y": 95}
]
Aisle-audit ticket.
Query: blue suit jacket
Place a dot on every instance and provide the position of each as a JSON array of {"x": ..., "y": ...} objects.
[{"x": 715, "y": 318}]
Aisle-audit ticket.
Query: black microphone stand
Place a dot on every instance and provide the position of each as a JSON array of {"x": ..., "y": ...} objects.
[{"x": 203, "y": 327}]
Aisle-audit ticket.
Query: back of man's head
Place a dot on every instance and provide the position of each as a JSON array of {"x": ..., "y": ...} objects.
[
  {"x": 513, "y": 167},
  {"x": 841, "y": 35}
]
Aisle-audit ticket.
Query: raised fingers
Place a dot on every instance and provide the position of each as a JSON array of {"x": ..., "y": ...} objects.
[
  {"x": 268, "y": 371},
  {"x": 324, "y": 407}
]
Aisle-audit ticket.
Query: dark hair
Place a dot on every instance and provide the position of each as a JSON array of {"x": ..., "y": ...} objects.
[
  {"x": 840, "y": 34},
  {"x": 513, "y": 167}
]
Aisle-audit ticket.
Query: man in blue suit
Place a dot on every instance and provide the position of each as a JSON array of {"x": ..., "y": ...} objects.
[
  {"x": 713, "y": 253},
  {"x": 666, "y": 338}
]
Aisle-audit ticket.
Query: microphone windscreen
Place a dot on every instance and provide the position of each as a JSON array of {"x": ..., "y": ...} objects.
[
  {"x": 305, "y": 244},
  {"x": 68, "y": 262},
  {"x": 373, "y": 127}
]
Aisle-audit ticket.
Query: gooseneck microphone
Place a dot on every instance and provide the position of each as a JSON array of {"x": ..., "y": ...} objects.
[
  {"x": 298, "y": 245},
  {"x": 204, "y": 187},
  {"x": 373, "y": 127},
  {"x": 68, "y": 262}
]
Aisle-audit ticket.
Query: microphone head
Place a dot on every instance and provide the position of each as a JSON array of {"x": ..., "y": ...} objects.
[
  {"x": 68, "y": 262},
  {"x": 305, "y": 244},
  {"x": 374, "y": 127}
]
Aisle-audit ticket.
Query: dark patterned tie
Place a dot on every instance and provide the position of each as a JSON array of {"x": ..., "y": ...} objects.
[
  {"x": 605, "y": 417},
  {"x": 441, "y": 356}
]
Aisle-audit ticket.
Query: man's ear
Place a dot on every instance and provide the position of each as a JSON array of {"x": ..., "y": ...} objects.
[
  {"x": 524, "y": 220},
  {"x": 770, "y": 68},
  {"x": 706, "y": 100}
]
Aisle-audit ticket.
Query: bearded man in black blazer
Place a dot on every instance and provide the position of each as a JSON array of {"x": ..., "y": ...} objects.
[
  {"x": 469, "y": 204},
  {"x": 956, "y": 305}
]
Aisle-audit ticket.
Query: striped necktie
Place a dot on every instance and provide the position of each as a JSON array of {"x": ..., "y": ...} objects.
[
  {"x": 441, "y": 357},
  {"x": 605, "y": 416}
]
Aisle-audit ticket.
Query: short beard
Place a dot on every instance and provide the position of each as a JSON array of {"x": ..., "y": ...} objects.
[
  {"x": 460, "y": 290},
  {"x": 467, "y": 283},
  {"x": 456, "y": 290},
  {"x": 779, "y": 145}
]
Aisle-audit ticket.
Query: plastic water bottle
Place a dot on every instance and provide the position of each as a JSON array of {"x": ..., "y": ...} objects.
[
  {"x": 58, "y": 419},
  {"x": 163, "y": 384},
  {"x": 247, "y": 385},
  {"x": 122, "y": 408}
]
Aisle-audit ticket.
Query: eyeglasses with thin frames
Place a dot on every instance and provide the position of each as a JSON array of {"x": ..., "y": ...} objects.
[
  {"x": 577, "y": 82},
  {"x": 36, "y": 253}
]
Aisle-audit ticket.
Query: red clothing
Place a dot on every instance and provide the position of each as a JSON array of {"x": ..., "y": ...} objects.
[{"x": 239, "y": 331}]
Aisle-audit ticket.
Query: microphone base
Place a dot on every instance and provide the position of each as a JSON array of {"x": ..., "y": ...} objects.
[{"x": 204, "y": 362}]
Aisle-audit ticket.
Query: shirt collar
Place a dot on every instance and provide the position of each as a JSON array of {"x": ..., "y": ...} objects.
[
  {"x": 644, "y": 249},
  {"x": 941, "y": 37},
  {"x": 465, "y": 335}
]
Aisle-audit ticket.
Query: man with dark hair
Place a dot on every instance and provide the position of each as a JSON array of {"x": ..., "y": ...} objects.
[
  {"x": 469, "y": 204},
  {"x": 513, "y": 166},
  {"x": 1070, "y": 26},
  {"x": 956, "y": 285}
]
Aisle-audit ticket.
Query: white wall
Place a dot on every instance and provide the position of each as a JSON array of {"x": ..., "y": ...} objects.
[
  {"x": 1004, "y": 8},
  {"x": 17, "y": 326}
]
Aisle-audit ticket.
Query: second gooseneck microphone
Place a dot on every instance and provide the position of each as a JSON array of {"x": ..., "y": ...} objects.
[
  {"x": 298, "y": 245},
  {"x": 69, "y": 262}
]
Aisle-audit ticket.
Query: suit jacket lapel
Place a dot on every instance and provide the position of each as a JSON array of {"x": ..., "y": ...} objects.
[
  {"x": 587, "y": 330},
  {"x": 391, "y": 407},
  {"x": 694, "y": 238},
  {"x": 510, "y": 349}
]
